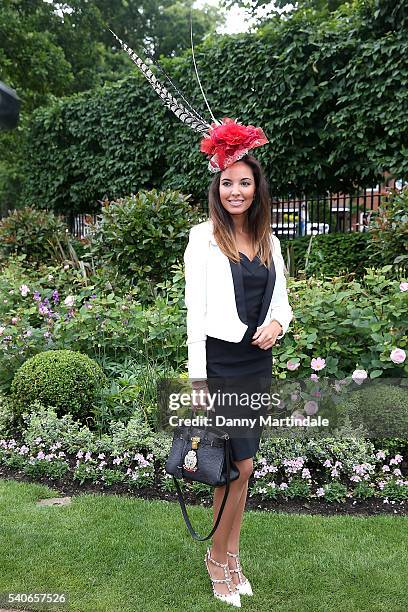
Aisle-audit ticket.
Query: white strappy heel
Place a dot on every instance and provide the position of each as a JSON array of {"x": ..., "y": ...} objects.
[
  {"x": 232, "y": 597},
  {"x": 244, "y": 586}
]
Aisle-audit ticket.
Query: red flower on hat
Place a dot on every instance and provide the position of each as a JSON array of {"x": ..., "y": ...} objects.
[{"x": 229, "y": 141}]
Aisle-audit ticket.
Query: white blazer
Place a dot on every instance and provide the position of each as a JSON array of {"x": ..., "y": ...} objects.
[{"x": 215, "y": 300}]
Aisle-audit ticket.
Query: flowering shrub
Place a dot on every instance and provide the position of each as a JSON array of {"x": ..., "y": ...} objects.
[
  {"x": 35, "y": 317},
  {"x": 40, "y": 460},
  {"x": 43, "y": 422},
  {"x": 32, "y": 232},
  {"x": 332, "y": 469},
  {"x": 139, "y": 468},
  {"x": 54, "y": 447},
  {"x": 343, "y": 324},
  {"x": 37, "y": 460}
]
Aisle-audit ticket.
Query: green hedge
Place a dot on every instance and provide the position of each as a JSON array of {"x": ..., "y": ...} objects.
[
  {"x": 329, "y": 255},
  {"x": 328, "y": 91}
]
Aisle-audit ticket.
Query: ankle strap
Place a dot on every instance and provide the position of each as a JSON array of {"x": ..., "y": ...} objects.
[
  {"x": 234, "y": 555},
  {"x": 214, "y": 561},
  {"x": 238, "y": 569}
]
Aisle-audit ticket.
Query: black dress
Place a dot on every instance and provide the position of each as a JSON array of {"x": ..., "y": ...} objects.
[{"x": 242, "y": 368}]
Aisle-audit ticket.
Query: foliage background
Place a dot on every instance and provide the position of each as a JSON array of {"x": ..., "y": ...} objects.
[{"x": 328, "y": 90}]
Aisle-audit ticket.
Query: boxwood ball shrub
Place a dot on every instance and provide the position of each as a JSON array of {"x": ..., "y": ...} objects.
[{"x": 66, "y": 380}]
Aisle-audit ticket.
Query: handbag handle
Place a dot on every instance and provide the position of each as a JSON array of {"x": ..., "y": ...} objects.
[{"x": 221, "y": 510}]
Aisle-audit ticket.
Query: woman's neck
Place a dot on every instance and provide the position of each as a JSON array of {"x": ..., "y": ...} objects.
[{"x": 240, "y": 226}]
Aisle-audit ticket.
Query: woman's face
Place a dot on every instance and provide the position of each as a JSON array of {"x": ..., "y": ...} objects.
[{"x": 237, "y": 188}]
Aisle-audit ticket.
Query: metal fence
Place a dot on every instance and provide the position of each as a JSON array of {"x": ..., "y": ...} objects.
[
  {"x": 305, "y": 216},
  {"x": 292, "y": 217},
  {"x": 80, "y": 225}
]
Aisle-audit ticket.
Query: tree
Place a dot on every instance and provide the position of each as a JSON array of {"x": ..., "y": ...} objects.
[
  {"x": 163, "y": 27},
  {"x": 31, "y": 61},
  {"x": 50, "y": 48},
  {"x": 277, "y": 6}
]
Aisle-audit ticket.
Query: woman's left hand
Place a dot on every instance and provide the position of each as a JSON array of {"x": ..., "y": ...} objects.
[{"x": 265, "y": 337}]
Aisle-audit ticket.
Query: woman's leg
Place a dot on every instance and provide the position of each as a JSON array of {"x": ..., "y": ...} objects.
[
  {"x": 232, "y": 511},
  {"x": 233, "y": 540}
]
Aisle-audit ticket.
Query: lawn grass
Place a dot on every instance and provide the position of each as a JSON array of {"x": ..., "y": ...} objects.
[{"x": 116, "y": 554}]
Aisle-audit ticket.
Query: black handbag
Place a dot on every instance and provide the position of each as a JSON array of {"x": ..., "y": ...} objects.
[{"x": 201, "y": 454}]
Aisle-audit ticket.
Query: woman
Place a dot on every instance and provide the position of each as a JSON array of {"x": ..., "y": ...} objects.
[
  {"x": 237, "y": 307},
  {"x": 236, "y": 297}
]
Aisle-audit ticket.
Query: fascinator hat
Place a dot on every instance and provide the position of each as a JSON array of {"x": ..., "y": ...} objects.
[{"x": 225, "y": 141}]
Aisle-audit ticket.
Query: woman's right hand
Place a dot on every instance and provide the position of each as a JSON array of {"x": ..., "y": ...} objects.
[{"x": 199, "y": 399}]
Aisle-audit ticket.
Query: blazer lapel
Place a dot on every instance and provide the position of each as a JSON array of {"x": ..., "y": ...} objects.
[
  {"x": 236, "y": 271},
  {"x": 267, "y": 296}
]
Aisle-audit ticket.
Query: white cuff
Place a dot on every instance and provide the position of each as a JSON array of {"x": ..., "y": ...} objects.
[{"x": 197, "y": 360}]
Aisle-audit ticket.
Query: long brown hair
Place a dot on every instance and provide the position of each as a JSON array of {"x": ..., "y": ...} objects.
[{"x": 258, "y": 220}]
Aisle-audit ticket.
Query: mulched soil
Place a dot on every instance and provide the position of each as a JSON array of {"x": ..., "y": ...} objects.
[{"x": 369, "y": 507}]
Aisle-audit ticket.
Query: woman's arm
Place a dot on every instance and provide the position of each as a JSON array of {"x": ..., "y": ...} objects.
[
  {"x": 280, "y": 309},
  {"x": 195, "y": 265}
]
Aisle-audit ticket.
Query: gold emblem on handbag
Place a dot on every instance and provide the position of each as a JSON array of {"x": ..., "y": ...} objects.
[{"x": 190, "y": 460}]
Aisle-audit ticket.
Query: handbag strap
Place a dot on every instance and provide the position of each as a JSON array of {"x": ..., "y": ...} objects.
[{"x": 221, "y": 510}]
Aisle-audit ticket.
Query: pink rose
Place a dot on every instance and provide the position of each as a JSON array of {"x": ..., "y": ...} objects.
[
  {"x": 311, "y": 407},
  {"x": 359, "y": 376},
  {"x": 403, "y": 286},
  {"x": 398, "y": 355},
  {"x": 292, "y": 365}
]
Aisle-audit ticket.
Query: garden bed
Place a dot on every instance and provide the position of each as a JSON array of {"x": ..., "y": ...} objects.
[{"x": 368, "y": 507}]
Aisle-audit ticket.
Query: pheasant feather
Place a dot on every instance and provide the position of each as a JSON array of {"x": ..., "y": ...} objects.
[
  {"x": 178, "y": 92},
  {"x": 191, "y": 119}
]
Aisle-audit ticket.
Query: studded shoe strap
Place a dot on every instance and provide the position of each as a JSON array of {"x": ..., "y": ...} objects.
[
  {"x": 238, "y": 569},
  {"x": 227, "y": 580}
]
